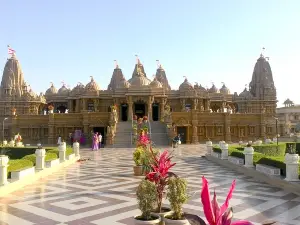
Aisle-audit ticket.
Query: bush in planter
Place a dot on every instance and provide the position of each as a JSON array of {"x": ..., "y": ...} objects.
[
  {"x": 137, "y": 156},
  {"x": 18, "y": 164},
  {"x": 271, "y": 149},
  {"x": 177, "y": 196},
  {"x": 146, "y": 196}
]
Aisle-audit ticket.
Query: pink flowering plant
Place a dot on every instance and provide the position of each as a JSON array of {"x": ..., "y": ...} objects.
[
  {"x": 214, "y": 213},
  {"x": 160, "y": 174}
]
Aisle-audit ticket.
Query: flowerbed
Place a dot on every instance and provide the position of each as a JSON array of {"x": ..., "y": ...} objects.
[{"x": 258, "y": 158}]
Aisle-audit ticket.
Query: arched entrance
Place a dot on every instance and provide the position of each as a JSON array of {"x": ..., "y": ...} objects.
[
  {"x": 140, "y": 109},
  {"x": 155, "y": 111},
  {"x": 124, "y": 112}
]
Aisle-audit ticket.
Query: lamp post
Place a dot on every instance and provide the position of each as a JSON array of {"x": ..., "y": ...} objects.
[
  {"x": 276, "y": 119},
  {"x": 3, "y": 128}
]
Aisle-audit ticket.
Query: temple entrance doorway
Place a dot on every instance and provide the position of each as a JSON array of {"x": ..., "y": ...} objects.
[
  {"x": 155, "y": 112},
  {"x": 139, "y": 110},
  {"x": 183, "y": 134},
  {"x": 102, "y": 131},
  {"x": 61, "y": 109},
  {"x": 124, "y": 111}
]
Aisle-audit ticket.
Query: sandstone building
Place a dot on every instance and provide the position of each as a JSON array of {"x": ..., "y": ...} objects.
[{"x": 192, "y": 110}]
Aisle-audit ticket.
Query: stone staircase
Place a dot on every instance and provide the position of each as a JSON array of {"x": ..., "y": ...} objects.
[
  {"x": 159, "y": 134},
  {"x": 123, "y": 135}
]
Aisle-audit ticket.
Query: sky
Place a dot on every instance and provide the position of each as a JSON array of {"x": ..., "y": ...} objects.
[{"x": 206, "y": 41}]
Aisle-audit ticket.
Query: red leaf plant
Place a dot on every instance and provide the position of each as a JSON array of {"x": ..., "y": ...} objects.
[
  {"x": 160, "y": 174},
  {"x": 143, "y": 140},
  {"x": 216, "y": 215}
]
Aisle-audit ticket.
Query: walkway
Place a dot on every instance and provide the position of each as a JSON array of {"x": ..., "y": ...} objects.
[{"x": 102, "y": 191}]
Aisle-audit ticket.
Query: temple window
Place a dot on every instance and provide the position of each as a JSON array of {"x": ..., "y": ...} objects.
[
  {"x": 90, "y": 106},
  {"x": 188, "y": 107}
]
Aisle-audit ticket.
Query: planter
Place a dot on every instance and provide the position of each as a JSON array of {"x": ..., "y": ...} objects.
[
  {"x": 141, "y": 222},
  {"x": 138, "y": 170},
  {"x": 176, "y": 222},
  {"x": 165, "y": 211}
]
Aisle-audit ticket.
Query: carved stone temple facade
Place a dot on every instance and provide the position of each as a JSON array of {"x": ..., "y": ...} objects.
[{"x": 192, "y": 110}]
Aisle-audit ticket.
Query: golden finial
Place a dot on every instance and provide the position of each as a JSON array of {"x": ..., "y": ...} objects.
[
  {"x": 185, "y": 78},
  {"x": 158, "y": 64},
  {"x": 92, "y": 78},
  {"x": 137, "y": 59},
  {"x": 63, "y": 83},
  {"x": 51, "y": 83}
]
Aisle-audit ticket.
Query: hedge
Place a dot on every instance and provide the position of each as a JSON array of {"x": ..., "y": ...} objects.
[
  {"x": 18, "y": 164},
  {"x": 69, "y": 151},
  {"x": 49, "y": 156},
  {"x": 19, "y": 152},
  {"x": 259, "y": 158}
]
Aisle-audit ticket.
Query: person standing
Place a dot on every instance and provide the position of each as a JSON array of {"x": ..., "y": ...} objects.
[
  {"x": 100, "y": 140},
  {"x": 59, "y": 140},
  {"x": 95, "y": 146}
]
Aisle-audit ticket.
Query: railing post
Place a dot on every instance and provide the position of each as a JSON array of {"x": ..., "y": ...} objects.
[
  {"x": 249, "y": 152},
  {"x": 209, "y": 147},
  {"x": 3, "y": 169},
  {"x": 62, "y": 152},
  {"x": 40, "y": 154},
  {"x": 292, "y": 166},
  {"x": 224, "y": 150},
  {"x": 76, "y": 149}
]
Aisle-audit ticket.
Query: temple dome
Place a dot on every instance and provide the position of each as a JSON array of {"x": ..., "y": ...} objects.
[
  {"x": 245, "y": 94},
  {"x": 92, "y": 85},
  {"x": 185, "y": 85},
  {"x": 63, "y": 91},
  {"x": 51, "y": 91},
  {"x": 139, "y": 81},
  {"x": 79, "y": 89},
  {"x": 224, "y": 90},
  {"x": 213, "y": 89},
  {"x": 156, "y": 84}
]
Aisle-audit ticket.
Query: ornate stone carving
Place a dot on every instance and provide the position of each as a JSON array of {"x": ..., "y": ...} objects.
[
  {"x": 182, "y": 122},
  {"x": 182, "y": 102}
]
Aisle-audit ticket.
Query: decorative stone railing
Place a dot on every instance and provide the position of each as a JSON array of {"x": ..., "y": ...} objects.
[
  {"x": 236, "y": 160},
  {"x": 292, "y": 166},
  {"x": 269, "y": 170},
  {"x": 209, "y": 147},
  {"x": 40, "y": 163},
  {"x": 249, "y": 152},
  {"x": 224, "y": 149}
]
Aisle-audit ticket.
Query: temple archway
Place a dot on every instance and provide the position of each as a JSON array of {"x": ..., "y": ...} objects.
[{"x": 61, "y": 109}]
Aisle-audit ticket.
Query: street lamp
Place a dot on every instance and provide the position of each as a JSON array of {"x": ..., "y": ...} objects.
[
  {"x": 3, "y": 128},
  {"x": 276, "y": 119}
]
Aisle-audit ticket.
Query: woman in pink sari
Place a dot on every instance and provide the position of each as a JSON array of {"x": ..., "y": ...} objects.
[{"x": 95, "y": 146}]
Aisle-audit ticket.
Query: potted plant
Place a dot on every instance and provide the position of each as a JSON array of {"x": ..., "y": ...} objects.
[
  {"x": 177, "y": 196},
  {"x": 146, "y": 195},
  {"x": 145, "y": 119},
  {"x": 138, "y": 168},
  {"x": 160, "y": 176}
]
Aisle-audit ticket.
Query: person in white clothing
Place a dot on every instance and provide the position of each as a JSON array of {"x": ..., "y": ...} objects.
[{"x": 99, "y": 139}]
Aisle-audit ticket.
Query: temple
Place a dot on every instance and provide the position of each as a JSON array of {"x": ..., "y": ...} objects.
[{"x": 198, "y": 113}]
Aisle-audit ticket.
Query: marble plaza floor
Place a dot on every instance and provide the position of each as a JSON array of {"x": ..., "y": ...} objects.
[{"x": 102, "y": 191}]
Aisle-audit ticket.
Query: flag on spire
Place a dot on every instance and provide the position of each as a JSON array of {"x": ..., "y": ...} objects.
[{"x": 10, "y": 50}]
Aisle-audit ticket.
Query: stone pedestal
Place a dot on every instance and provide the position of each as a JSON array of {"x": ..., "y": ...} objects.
[
  {"x": 62, "y": 152},
  {"x": 209, "y": 147},
  {"x": 292, "y": 166},
  {"x": 248, "y": 152},
  {"x": 224, "y": 149},
  {"x": 40, "y": 154},
  {"x": 3, "y": 169},
  {"x": 76, "y": 149},
  {"x": 221, "y": 144}
]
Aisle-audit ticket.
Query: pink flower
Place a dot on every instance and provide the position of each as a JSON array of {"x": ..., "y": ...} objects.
[{"x": 216, "y": 215}]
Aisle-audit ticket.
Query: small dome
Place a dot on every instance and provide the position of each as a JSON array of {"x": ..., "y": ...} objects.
[
  {"x": 139, "y": 81},
  {"x": 63, "y": 91},
  {"x": 224, "y": 90},
  {"x": 245, "y": 94},
  {"x": 156, "y": 84},
  {"x": 185, "y": 85},
  {"x": 79, "y": 89},
  {"x": 123, "y": 83},
  {"x": 288, "y": 101},
  {"x": 92, "y": 86},
  {"x": 213, "y": 89},
  {"x": 32, "y": 94},
  {"x": 51, "y": 91}
]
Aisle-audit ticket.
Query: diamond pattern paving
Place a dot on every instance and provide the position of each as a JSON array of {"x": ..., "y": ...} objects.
[{"x": 102, "y": 191}]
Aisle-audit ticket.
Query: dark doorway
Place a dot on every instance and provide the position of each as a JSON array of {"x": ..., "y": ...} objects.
[
  {"x": 61, "y": 109},
  {"x": 124, "y": 109},
  {"x": 155, "y": 112},
  {"x": 183, "y": 134},
  {"x": 102, "y": 131},
  {"x": 139, "y": 110}
]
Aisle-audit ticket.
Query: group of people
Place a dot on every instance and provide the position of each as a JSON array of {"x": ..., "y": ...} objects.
[{"x": 97, "y": 140}]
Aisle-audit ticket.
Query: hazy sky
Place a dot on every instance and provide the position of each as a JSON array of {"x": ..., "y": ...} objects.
[{"x": 206, "y": 41}]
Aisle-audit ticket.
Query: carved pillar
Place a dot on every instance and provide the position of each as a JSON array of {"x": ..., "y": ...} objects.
[
  {"x": 227, "y": 127},
  {"x": 188, "y": 135},
  {"x": 150, "y": 101},
  {"x": 77, "y": 106},
  {"x": 70, "y": 105},
  {"x": 207, "y": 105},
  {"x": 162, "y": 108},
  {"x": 195, "y": 103},
  {"x": 130, "y": 111},
  {"x": 83, "y": 104},
  {"x": 262, "y": 125},
  {"x": 195, "y": 133},
  {"x": 51, "y": 132},
  {"x": 182, "y": 102}
]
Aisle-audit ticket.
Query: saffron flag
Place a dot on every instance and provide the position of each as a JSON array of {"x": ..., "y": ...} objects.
[{"x": 10, "y": 50}]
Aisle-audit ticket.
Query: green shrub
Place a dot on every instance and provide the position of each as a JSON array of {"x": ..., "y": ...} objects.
[
  {"x": 50, "y": 156},
  {"x": 217, "y": 149},
  {"x": 54, "y": 151},
  {"x": 137, "y": 156},
  {"x": 20, "y": 152},
  {"x": 69, "y": 151},
  {"x": 18, "y": 164},
  {"x": 30, "y": 157},
  {"x": 271, "y": 149}
]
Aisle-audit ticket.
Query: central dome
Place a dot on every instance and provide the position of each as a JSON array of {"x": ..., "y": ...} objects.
[{"x": 139, "y": 81}]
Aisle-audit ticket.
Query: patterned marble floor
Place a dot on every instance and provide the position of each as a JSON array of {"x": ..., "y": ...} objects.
[{"x": 101, "y": 191}]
